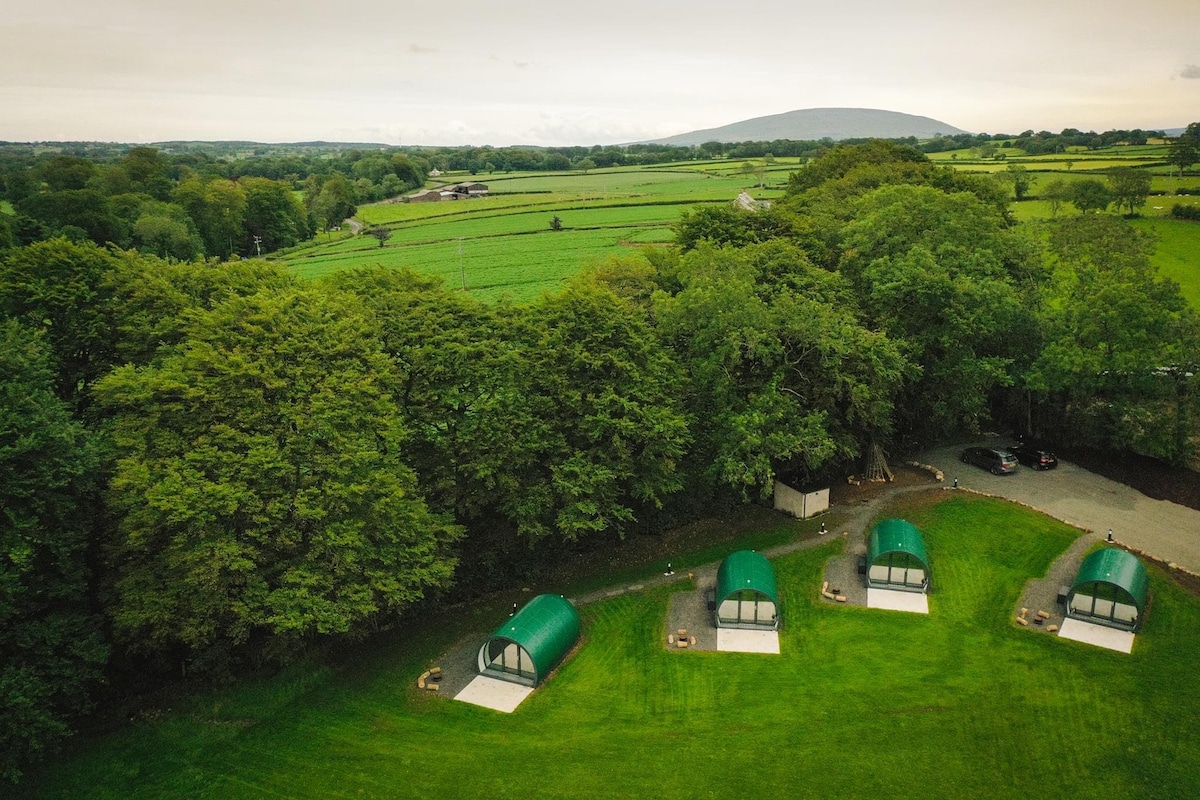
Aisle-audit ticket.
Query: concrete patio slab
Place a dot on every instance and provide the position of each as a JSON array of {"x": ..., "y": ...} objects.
[
  {"x": 494, "y": 694},
  {"x": 732, "y": 640},
  {"x": 916, "y": 602},
  {"x": 1099, "y": 635}
]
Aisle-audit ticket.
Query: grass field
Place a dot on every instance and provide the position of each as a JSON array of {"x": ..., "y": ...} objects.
[
  {"x": 860, "y": 704},
  {"x": 502, "y": 245},
  {"x": 517, "y": 266},
  {"x": 1177, "y": 253}
]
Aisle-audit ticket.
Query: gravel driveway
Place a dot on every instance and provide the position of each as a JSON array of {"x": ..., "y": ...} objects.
[{"x": 1168, "y": 531}]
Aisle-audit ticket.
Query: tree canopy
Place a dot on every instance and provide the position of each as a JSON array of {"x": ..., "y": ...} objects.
[
  {"x": 52, "y": 650},
  {"x": 261, "y": 482}
]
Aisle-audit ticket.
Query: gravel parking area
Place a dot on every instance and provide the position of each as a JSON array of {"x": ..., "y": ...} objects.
[{"x": 1168, "y": 531}]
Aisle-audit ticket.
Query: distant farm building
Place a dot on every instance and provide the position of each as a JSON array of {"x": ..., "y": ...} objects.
[
  {"x": 1110, "y": 589},
  {"x": 471, "y": 189},
  {"x": 896, "y": 557},
  {"x": 459, "y": 191},
  {"x": 747, "y": 203},
  {"x": 746, "y": 594},
  {"x": 531, "y": 642},
  {"x": 435, "y": 173}
]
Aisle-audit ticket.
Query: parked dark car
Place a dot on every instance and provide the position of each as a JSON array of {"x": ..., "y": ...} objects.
[
  {"x": 1033, "y": 456},
  {"x": 994, "y": 459}
]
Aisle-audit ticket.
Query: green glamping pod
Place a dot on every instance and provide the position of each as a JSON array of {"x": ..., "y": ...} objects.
[
  {"x": 746, "y": 596},
  {"x": 531, "y": 642},
  {"x": 1110, "y": 589},
  {"x": 896, "y": 557}
]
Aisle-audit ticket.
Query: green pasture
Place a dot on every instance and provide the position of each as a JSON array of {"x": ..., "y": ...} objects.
[
  {"x": 507, "y": 247},
  {"x": 506, "y": 243},
  {"x": 1089, "y": 167},
  {"x": 518, "y": 266},
  {"x": 622, "y": 182},
  {"x": 861, "y": 703},
  {"x": 510, "y": 222},
  {"x": 1177, "y": 253}
]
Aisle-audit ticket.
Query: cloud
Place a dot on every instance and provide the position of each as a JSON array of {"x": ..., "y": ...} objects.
[
  {"x": 421, "y": 51},
  {"x": 1191, "y": 71},
  {"x": 520, "y": 64}
]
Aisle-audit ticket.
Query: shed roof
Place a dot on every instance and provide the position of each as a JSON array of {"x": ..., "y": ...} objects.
[
  {"x": 896, "y": 536},
  {"x": 1118, "y": 568},
  {"x": 746, "y": 569},
  {"x": 546, "y": 627}
]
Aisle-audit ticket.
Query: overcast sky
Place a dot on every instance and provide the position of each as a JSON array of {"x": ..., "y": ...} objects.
[{"x": 528, "y": 72}]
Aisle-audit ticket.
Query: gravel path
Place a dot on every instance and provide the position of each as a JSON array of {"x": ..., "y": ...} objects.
[{"x": 1042, "y": 594}]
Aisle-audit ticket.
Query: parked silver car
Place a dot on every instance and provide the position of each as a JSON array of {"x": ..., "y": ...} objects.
[{"x": 994, "y": 459}]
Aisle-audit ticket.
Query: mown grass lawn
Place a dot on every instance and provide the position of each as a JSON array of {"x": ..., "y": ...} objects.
[{"x": 860, "y": 704}]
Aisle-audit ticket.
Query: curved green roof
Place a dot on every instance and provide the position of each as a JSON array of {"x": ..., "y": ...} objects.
[
  {"x": 896, "y": 536},
  {"x": 746, "y": 569},
  {"x": 546, "y": 628},
  {"x": 1117, "y": 568}
]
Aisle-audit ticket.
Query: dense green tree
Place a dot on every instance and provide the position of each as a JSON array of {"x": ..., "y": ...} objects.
[
  {"x": 1185, "y": 148},
  {"x": 148, "y": 171},
  {"x": 149, "y": 300},
  {"x": 85, "y": 210},
  {"x": 729, "y": 225},
  {"x": 60, "y": 288},
  {"x": 1122, "y": 357},
  {"x": 459, "y": 383},
  {"x": 373, "y": 168},
  {"x": 51, "y": 650},
  {"x": 260, "y": 486},
  {"x": 410, "y": 173},
  {"x": 19, "y": 184},
  {"x": 1130, "y": 187},
  {"x": 218, "y": 209},
  {"x": 607, "y": 428},
  {"x": 274, "y": 217},
  {"x": 1090, "y": 194},
  {"x": 945, "y": 275},
  {"x": 1017, "y": 177},
  {"x": 166, "y": 230},
  {"x": 111, "y": 179},
  {"x": 780, "y": 374},
  {"x": 1056, "y": 192},
  {"x": 842, "y": 160},
  {"x": 63, "y": 173},
  {"x": 334, "y": 202},
  {"x": 381, "y": 233}
]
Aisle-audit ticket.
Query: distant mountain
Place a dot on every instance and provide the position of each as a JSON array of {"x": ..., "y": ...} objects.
[{"x": 820, "y": 123}]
